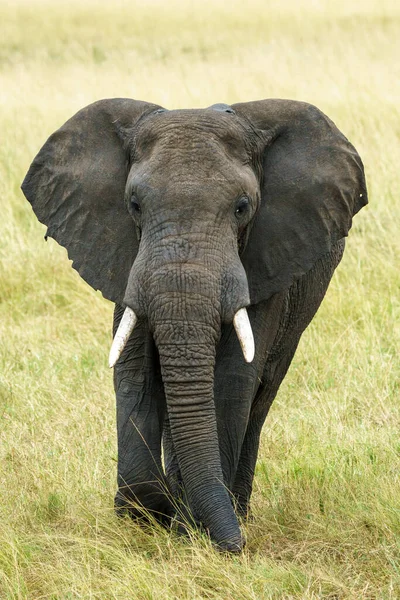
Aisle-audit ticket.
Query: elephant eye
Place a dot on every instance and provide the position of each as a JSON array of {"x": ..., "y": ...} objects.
[
  {"x": 134, "y": 206},
  {"x": 242, "y": 206}
]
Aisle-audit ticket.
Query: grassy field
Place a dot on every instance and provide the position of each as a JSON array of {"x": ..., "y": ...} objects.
[{"x": 327, "y": 493}]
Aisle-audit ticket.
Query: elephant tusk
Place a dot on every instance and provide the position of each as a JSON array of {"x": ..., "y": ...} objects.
[
  {"x": 243, "y": 330},
  {"x": 124, "y": 330}
]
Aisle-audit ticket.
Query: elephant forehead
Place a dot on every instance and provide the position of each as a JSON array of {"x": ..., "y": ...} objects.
[
  {"x": 190, "y": 135},
  {"x": 191, "y": 181}
]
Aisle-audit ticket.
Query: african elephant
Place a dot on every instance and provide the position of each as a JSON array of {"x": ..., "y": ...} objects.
[{"x": 184, "y": 218}]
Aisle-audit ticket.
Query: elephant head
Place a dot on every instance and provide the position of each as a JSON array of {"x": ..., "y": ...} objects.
[{"x": 186, "y": 217}]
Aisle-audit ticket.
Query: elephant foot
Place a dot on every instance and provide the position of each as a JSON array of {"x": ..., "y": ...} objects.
[{"x": 143, "y": 503}]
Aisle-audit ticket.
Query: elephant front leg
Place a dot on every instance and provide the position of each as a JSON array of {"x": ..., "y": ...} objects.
[
  {"x": 237, "y": 382},
  {"x": 140, "y": 414},
  {"x": 243, "y": 484},
  {"x": 235, "y": 386},
  {"x": 286, "y": 315}
]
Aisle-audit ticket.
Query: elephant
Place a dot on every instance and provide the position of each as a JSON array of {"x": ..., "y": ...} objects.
[{"x": 215, "y": 232}]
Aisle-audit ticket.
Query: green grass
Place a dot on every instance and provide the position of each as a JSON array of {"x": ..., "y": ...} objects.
[{"x": 327, "y": 491}]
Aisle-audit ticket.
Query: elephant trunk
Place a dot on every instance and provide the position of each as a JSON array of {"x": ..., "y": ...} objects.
[
  {"x": 186, "y": 329},
  {"x": 186, "y": 287}
]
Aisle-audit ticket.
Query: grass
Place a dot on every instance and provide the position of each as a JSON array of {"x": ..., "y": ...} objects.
[{"x": 327, "y": 491}]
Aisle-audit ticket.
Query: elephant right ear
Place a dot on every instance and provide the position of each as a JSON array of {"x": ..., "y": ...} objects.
[{"x": 76, "y": 186}]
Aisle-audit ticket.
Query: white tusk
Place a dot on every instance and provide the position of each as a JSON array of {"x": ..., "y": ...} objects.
[
  {"x": 243, "y": 330},
  {"x": 124, "y": 330}
]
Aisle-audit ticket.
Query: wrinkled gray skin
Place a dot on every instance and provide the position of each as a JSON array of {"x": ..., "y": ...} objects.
[{"x": 185, "y": 217}]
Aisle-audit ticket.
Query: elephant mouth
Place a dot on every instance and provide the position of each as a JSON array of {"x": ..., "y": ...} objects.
[{"x": 241, "y": 324}]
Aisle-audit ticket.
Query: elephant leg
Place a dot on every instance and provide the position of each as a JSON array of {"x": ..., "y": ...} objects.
[
  {"x": 235, "y": 385},
  {"x": 243, "y": 485},
  {"x": 237, "y": 382},
  {"x": 299, "y": 306},
  {"x": 140, "y": 415}
]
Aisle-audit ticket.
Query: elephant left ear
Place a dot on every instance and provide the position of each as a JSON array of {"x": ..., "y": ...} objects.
[{"x": 312, "y": 184}]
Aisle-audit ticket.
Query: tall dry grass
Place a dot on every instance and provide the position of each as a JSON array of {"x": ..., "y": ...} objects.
[{"x": 327, "y": 491}]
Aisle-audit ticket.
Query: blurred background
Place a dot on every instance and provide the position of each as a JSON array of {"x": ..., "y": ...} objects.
[{"x": 326, "y": 503}]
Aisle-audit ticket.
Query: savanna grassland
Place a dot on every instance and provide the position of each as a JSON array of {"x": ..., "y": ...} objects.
[{"x": 326, "y": 502}]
